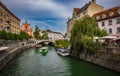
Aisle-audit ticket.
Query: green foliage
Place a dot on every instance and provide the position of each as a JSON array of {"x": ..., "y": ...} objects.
[
  {"x": 11, "y": 36},
  {"x": 62, "y": 43},
  {"x": 36, "y": 32},
  {"x": 45, "y": 36},
  {"x": 23, "y": 35},
  {"x": 82, "y": 35}
]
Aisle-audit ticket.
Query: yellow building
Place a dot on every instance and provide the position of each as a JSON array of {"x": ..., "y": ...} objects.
[
  {"x": 89, "y": 8},
  {"x": 8, "y": 21}
]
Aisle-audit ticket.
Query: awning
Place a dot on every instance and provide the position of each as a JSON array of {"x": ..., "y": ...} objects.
[{"x": 109, "y": 37}]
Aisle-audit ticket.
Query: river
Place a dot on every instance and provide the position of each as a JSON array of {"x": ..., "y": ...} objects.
[{"x": 31, "y": 63}]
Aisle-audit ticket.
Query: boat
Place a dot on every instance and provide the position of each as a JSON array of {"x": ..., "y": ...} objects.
[
  {"x": 62, "y": 52},
  {"x": 43, "y": 50},
  {"x": 38, "y": 46}
]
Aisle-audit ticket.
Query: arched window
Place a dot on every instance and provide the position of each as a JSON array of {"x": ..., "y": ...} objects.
[
  {"x": 103, "y": 16},
  {"x": 111, "y": 14}
]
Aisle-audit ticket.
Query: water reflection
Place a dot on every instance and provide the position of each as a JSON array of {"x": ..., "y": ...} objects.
[{"x": 32, "y": 63}]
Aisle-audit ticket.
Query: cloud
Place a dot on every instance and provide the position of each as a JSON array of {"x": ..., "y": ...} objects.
[
  {"x": 50, "y": 13},
  {"x": 57, "y": 25},
  {"x": 33, "y": 7}
]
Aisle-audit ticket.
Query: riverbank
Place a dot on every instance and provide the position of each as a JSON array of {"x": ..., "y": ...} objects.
[
  {"x": 107, "y": 60},
  {"x": 13, "y": 52}
]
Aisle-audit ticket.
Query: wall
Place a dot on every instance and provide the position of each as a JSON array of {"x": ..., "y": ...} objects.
[
  {"x": 12, "y": 54},
  {"x": 104, "y": 59}
]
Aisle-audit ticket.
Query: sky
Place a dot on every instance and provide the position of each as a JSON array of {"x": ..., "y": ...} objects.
[{"x": 50, "y": 14}]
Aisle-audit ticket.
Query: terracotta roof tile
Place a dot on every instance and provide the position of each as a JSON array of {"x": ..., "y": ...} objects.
[{"x": 107, "y": 13}]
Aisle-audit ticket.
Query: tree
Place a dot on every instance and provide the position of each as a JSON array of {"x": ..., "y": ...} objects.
[
  {"x": 62, "y": 43},
  {"x": 82, "y": 35},
  {"x": 23, "y": 35},
  {"x": 36, "y": 32},
  {"x": 45, "y": 35}
]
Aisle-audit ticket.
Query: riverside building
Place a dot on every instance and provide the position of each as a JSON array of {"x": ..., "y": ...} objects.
[
  {"x": 109, "y": 20},
  {"x": 89, "y": 8},
  {"x": 8, "y": 21}
]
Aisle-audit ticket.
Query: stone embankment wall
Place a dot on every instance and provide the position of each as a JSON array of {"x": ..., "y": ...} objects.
[
  {"x": 5, "y": 59},
  {"x": 107, "y": 60}
]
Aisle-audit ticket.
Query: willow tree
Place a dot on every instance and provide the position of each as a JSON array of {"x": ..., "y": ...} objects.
[{"x": 82, "y": 35}]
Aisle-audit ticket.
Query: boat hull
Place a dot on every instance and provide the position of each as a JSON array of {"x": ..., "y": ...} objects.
[{"x": 63, "y": 54}]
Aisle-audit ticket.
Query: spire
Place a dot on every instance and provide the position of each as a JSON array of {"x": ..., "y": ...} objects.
[{"x": 26, "y": 22}]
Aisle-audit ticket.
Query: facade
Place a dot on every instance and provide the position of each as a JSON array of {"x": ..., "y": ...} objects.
[
  {"x": 54, "y": 35},
  {"x": 26, "y": 27},
  {"x": 88, "y": 9},
  {"x": 109, "y": 20},
  {"x": 8, "y": 21}
]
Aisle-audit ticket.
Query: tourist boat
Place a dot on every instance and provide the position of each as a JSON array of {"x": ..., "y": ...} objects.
[
  {"x": 43, "y": 50},
  {"x": 62, "y": 52}
]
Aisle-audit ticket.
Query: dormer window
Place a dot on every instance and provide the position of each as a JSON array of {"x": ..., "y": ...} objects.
[
  {"x": 97, "y": 17},
  {"x": 119, "y": 11},
  {"x": 0, "y": 7},
  {"x": 103, "y": 16},
  {"x": 111, "y": 14}
]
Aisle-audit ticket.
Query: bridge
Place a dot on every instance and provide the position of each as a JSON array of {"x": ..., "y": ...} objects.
[{"x": 45, "y": 41}]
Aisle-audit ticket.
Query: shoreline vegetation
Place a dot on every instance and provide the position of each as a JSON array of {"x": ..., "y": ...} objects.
[{"x": 84, "y": 48}]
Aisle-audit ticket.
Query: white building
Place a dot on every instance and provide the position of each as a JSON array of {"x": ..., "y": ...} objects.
[
  {"x": 54, "y": 35},
  {"x": 109, "y": 20}
]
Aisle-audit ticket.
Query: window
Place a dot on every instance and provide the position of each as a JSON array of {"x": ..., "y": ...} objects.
[
  {"x": 110, "y": 22},
  {"x": 103, "y": 16},
  {"x": 97, "y": 17},
  {"x": 103, "y": 24},
  {"x": 110, "y": 31},
  {"x": 118, "y": 30},
  {"x": 0, "y": 20},
  {"x": 119, "y": 11},
  {"x": 0, "y": 14},
  {"x": 118, "y": 20},
  {"x": 0, "y": 7},
  {"x": 84, "y": 12},
  {"x": 111, "y": 14}
]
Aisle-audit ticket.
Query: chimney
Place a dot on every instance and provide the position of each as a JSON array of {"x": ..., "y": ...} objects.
[{"x": 94, "y": 1}]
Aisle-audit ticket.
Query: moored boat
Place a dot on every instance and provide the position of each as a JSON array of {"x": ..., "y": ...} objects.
[
  {"x": 62, "y": 52},
  {"x": 38, "y": 46}
]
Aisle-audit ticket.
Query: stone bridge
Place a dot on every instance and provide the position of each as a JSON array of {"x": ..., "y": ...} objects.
[{"x": 45, "y": 41}]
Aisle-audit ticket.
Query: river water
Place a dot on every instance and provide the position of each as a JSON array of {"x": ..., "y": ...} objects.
[{"x": 31, "y": 63}]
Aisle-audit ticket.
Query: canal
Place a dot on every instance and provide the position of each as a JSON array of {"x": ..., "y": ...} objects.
[{"x": 31, "y": 63}]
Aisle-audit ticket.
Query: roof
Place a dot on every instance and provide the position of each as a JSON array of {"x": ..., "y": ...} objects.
[
  {"x": 77, "y": 10},
  {"x": 107, "y": 14},
  {"x": 50, "y": 31},
  {"x": 85, "y": 7}
]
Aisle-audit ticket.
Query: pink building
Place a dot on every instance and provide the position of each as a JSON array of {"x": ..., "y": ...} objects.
[{"x": 26, "y": 27}]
